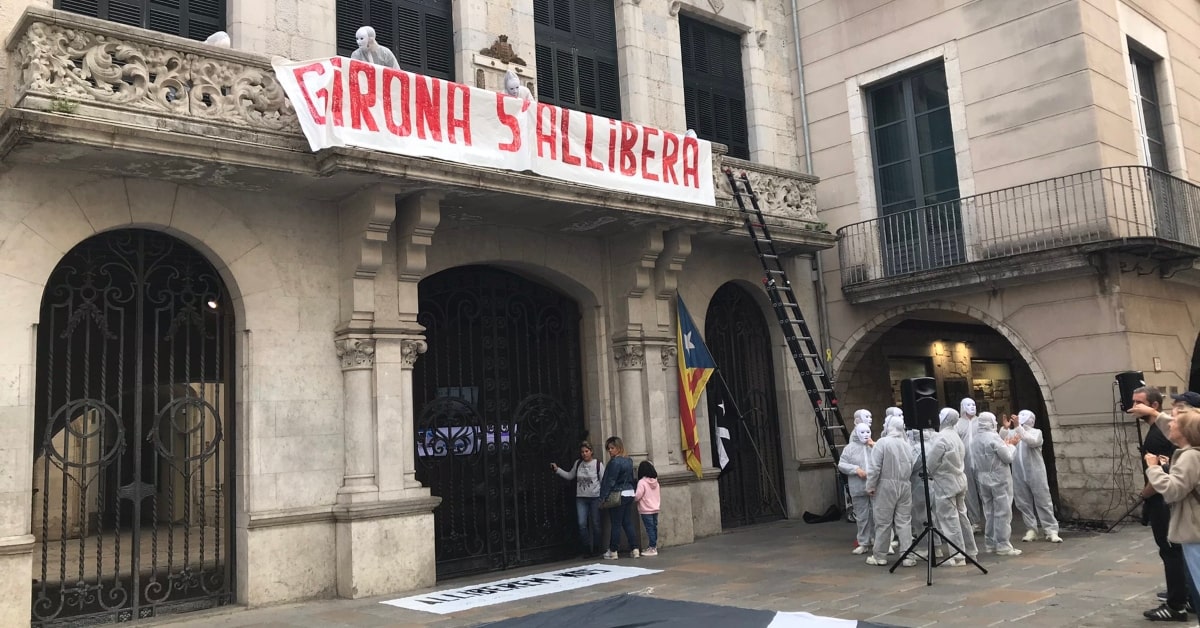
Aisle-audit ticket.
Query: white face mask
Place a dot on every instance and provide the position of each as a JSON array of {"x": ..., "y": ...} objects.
[
  {"x": 862, "y": 417},
  {"x": 862, "y": 433},
  {"x": 363, "y": 37},
  {"x": 968, "y": 407}
]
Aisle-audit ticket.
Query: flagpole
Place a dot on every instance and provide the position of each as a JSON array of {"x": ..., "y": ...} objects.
[{"x": 750, "y": 437}]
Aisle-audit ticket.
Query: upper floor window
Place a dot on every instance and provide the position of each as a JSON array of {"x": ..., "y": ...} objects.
[
  {"x": 577, "y": 55},
  {"x": 420, "y": 32},
  {"x": 194, "y": 19},
  {"x": 1145, "y": 91},
  {"x": 913, "y": 141},
  {"x": 714, "y": 93},
  {"x": 913, "y": 148}
]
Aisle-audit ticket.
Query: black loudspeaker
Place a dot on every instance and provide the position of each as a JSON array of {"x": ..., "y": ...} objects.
[
  {"x": 1128, "y": 382},
  {"x": 918, "y": 395}
]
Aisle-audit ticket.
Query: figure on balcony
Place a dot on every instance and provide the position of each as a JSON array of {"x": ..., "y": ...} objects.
[
  {"x": 219, "y": 39},
  {"x": 370, "y": 51},
  {"x": 514, "y": 88}
]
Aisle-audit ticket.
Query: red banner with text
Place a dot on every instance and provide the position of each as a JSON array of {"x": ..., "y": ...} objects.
[{"x": 341, "y": 102}]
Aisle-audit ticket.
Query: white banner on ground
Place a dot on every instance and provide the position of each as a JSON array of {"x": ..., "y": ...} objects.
[
  {"x": 342, "y": 102},
  {"x": 512, "y": 589}
]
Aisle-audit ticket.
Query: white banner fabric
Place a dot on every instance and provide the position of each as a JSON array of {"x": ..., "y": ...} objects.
[
  {"x": 342, "y": 102},
  {"x": 512, "y": 589}
]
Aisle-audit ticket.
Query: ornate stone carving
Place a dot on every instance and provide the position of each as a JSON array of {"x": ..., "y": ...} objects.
[
  {"x": 72, "y": 64},
  {"x": 778, "y": 194},
  {"x": 502, "y": 50},
  {"x": 410, "y": 350},
  {"x": 760, "y": 37},
  {"x": 717, "y": 5},
  {"x": 356, "y": 353},
  {"x": 630, "y": 356},
  {"x": 673, "y": 8},
  {"x": 668, "y": 357}
]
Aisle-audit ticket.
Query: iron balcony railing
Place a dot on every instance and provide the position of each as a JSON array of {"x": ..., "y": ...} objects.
[{"x": 1085, "y": 208}]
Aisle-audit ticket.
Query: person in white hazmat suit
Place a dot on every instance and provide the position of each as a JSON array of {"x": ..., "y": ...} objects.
[
  {"x": 993, "y": 457},
  {"x": 1031, "y": 489},
  {"x": 854, "y": 462},
  {"x": 890, "y": 491},
  {"x": 948, "y": 487},
  {"x": 918, "y": 485},
  {"x": 966, "y": 431}
]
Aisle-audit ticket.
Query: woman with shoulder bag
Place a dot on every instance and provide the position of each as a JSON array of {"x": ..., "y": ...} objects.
[
  {"x": 1179, "y": 488},
  {"x": 616, "y": 494},
  {"x": 586, "y": 472}
]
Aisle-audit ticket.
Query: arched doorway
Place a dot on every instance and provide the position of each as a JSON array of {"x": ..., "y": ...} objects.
[
  {"x": 740, "y": 342},
  {"x": 132, "y": 468},
  {"x": 967, "y": 357},
  {"x": 498, "y": 397}
]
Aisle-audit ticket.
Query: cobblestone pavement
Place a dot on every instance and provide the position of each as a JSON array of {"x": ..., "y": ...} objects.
[{"x": 1092, "y": 580}]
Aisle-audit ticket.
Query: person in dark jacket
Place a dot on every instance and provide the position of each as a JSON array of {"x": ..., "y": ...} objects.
[{"x": 618, "y": 476}]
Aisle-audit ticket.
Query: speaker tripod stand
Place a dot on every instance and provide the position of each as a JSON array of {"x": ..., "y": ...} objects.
[{"x": 931, "y": 531}]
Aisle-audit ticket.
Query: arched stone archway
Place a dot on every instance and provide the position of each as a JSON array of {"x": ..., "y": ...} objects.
[
  {"x": 133, "y": 425},
  {"x": 847, "y": 358}
]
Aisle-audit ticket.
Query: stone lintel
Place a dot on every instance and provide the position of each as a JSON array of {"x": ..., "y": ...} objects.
[
  {"x": 13, "y": 545},
  {"x": 273, "y": 519}
]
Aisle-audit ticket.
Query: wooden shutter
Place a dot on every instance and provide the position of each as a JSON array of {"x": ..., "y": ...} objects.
[
  {"x": 714, "y": 91},
  {"x": 194, "y": 19},
  {"x": 419, "y": 32},
  {"x": 576, "y": 55}
]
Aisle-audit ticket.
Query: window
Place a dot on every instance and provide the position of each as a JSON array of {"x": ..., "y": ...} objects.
[
  {"x": 714, "y": 94},
  {"x": 577, "y": 55},
  {"x": 194, "y": 19},
  {"x": 420, "y": 32},
  {"x": 1145, "y": 91},
  {"x": 913, "y": 149}
]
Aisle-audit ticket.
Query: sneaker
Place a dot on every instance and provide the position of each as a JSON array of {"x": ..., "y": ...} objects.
[
  {"x": 957, "y": 561},
  {"x": 871, "y": 560},
  {"x": 908, "y": 562},
  {"x": 635, "y": 554},
  {"x": 1165, "y": 613},
  {"x": 650, "y": 551},
  {"x": 1030, "y": 535},
  {"x": 861, "y": 549},
  {"x": 1053, "y": 537},
  {"x": 1011, "y": 551},
  {"x": 988, "y": 550},
  {"x": 610, "y": 555}
]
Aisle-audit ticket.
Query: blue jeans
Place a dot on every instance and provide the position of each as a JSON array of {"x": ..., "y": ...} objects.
[
  {"x": 587, "y": 513},
  {"x": 1191, "y": 556},
  {"x": 650, "y": 522},
  {"x": 619, "y": 517}
]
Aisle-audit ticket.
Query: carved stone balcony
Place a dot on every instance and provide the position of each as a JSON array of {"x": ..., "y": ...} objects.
[
  {"x": 1025, "y": 233},
  {"x": 87, "y": 94}
]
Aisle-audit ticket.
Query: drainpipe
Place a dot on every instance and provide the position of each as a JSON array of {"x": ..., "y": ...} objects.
[{"x": 819, "y": 269}]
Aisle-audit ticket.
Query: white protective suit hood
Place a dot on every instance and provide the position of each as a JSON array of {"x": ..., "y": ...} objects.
[
  {"x": 861, "y": 434},
  {"x": 947, "y": 418},
  {"x": 893, "y": 426},
  {"x": 1026, "y": 418},
  {"x": 862, "y": 416},
  {"x": 893, "y": 411},
  {"x": 986, "y": 421}
]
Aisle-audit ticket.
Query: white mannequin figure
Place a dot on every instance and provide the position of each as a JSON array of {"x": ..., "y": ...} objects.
[
  {"x": 690, "y": 133},
  {"x": 370, "y": 51},
  {"x": 862, "y": 416},
  {"x": 514, "y": 88},
  {"x": 966, "y": 431},
  {"x": 219, "y": 39}
]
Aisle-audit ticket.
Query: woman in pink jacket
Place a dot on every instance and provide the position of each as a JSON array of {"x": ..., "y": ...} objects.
[{"x": 648, "y": 499}]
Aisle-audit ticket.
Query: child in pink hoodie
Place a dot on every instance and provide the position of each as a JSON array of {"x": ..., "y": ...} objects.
[{"x": 647, "y": 498}]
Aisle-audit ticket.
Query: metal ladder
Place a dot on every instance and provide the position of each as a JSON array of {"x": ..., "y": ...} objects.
[{"x": 799, "y": 338}]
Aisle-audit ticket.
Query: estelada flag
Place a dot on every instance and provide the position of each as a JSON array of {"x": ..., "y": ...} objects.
[{"x": 696, "y": 365}]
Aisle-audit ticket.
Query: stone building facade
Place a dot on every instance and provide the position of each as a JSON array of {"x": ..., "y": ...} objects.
[
  {"x": 237, "y": 371},
  {"x": 1012, "y": 183}
]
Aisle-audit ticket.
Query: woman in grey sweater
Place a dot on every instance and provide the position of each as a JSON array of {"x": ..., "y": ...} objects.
[{"x": 586, "y": 472}]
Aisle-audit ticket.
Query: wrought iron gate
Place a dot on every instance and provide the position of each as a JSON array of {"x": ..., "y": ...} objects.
[
  {"x": 740, "y": 342},
  {"x": 498, "y": 397},
  {"x": 132, "y": 464}
]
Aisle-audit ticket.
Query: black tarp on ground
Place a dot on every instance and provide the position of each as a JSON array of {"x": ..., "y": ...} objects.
[{"x": 636, "y": 611}]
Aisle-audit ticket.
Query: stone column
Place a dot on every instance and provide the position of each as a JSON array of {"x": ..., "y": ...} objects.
[
  {"x": 396, "y": 447},
  {"x": 631, "y": 364},
  {"x": 358, "y": 362}
]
